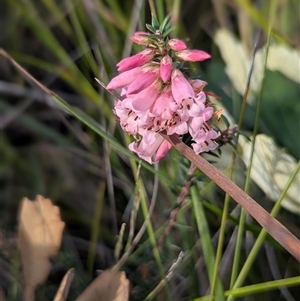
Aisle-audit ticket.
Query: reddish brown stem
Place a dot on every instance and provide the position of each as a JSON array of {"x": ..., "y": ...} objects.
[{"x": 269, "y": 223}]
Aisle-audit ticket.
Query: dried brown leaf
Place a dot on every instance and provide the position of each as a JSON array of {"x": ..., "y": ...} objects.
[
  {"x": 39, "y": 238},
  {"x": 108, "y": 286},
  {"x": 63, "y": 290}
]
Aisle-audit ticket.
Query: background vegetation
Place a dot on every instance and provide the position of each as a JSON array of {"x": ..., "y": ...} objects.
[{"x": 98, "y": 185}]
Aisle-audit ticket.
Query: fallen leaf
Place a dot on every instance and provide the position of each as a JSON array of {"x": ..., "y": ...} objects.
[
  {"x": 108, "y": 286},
  {"x": 238, "y": 62},
  {"x": 39, "y": 239},
  {"x": 278, "y": 54},
  {"x": 63, "y": 290}
]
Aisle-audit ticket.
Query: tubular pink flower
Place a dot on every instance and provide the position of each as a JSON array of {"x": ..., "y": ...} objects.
[
  {"x": 139, "y": 39},
  {"x": 143, "y": 81},
  {"x": 204, "y": 146},
  {"x": 179, "y": 128},
  {"x": 161, "y": 106},
  {"x": 136, "y": 60},
  {"x": 126, "y": 117},
  {"x": 129, "y": 120},
  {"x": 181, "y": 88},
  {"x": 197, "y": 122},
  {"x": 125, "y": 78},
  {"x": 198, "y": 105},
  {"x": 203, "y": 134},
  {"x": 152, "y": 144},
  {"x": 192, "y": 55},
  {"x": 142, "y": 101},
  {"x": 176, "y": 44},
  {"x": 157, "y": 97},
  {"x": 165, "y": 68},
  {"x": 145, "y": 150}
]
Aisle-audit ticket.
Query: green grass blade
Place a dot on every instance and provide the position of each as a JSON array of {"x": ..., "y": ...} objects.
[
  {"x": 259, "y": 241},
  {"x": 250, "y": 290},
  {"x": 97, "y": 128},
  {"x": 38, "y": 127},
  {"x": 207, "y": 247}
]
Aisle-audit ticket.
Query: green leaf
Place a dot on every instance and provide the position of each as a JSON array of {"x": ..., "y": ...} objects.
[
  {"x": 206, "y": 242},
  {"x": 167, "y": 32},
  {"x": 284, "y": 59},
  {"x": 155, "y": 23},
  {"x": 37, "y": 127},
  {"x": 280, "y": 111},
  {"x": 165, "y": 25},
  {"x": 97, "y": 128},
  {"x": 151, "y": 28},
  {"x": 258, "y": 288}
]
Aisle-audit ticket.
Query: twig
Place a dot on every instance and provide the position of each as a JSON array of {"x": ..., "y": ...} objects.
[
  {"x": 170, "y": 274},
  {"x": 142, "y": 229},
  {"x": 64, "y": 287},
  {"x": 182, "y": 196},
  {"x": 269, "y": 223}
]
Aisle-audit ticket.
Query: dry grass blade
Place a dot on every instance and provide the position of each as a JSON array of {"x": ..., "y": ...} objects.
[
  {"x": 23, "y": 71},
  {"x": 114, "y": 94},
  {"x": 63, "y": 290},
  {"x": 109, "y": 286},
  {"x": 269, "y": 223},
  {"x": 39, "y": 238}
]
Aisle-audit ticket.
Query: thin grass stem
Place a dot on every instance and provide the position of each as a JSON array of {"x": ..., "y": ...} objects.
[
  {"x": 95, "y": 227},
  {"x": 207, "y": 247}
]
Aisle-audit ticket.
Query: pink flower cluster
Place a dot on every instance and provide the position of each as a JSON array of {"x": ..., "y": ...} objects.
[{"x": 157, "y": 96}]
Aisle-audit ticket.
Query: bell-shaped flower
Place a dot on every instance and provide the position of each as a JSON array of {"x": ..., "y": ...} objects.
[
  {"x": 192, "y": 55},
  {"x": 197, "y": 107},
  {"x": 143, "y": 81},
  {"x": 151, "y": 148},
  {"x": 181, "y": 88},
  {"x": 165, "y": 68},
  {"x": 136, "y": 60},
  {"x": 197, "y": 122},
  {"x": 142, "y": 101},
  {"x": 179, "y": 127},
  {"x": 129, "y": 120},
  {"x": 205, "y": 146},
  {"x": 176, "y": 44},
  {"x": 162, "y": 105}
]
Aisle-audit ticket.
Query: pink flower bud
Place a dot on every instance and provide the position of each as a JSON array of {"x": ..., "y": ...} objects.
[
  {"x": 165, "y": 68},
  {"x": 176, "y": 44},
  {"x": 139, "y": 39},
  {"x": 192, "y": 55},
  {"x": 136, "y": 60}
]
